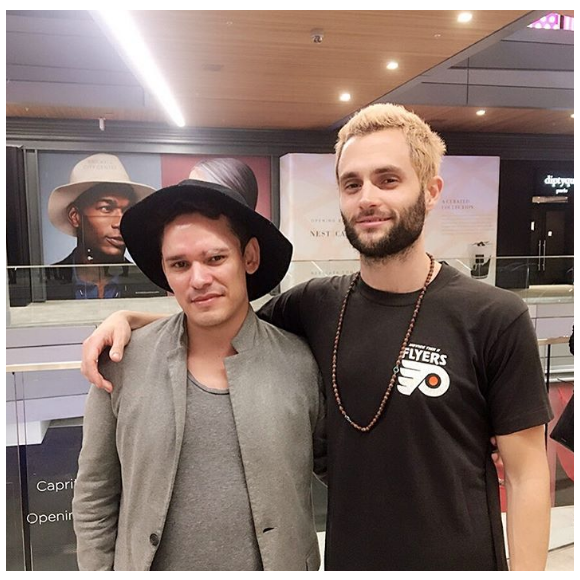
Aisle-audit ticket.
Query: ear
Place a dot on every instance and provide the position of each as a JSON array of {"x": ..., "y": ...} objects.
[
  {"x": 74, "y": 217},
  {"x": 164, "y": 268},
  {"x": 433, "y": 192},
  {"x": 252, "y": 256}
]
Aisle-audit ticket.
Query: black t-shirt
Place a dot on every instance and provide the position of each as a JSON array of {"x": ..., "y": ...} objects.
[{"x": 419, "y": 491}]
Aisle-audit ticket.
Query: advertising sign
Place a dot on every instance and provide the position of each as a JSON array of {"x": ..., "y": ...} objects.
[
  {"x": 462, "y": 229},
  {"x": 554, "y": 183}
]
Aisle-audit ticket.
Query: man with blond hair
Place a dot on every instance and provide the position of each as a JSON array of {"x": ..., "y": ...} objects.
[{"x": 422, "y": 365}]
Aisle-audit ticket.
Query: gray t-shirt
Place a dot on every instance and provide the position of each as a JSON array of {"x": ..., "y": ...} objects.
[{"x": 209, "y": 523}]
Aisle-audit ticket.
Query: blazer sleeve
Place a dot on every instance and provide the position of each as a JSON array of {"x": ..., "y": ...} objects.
[
  {"x": 319, "y": 436},
  {"x": 97, "y": 489}
]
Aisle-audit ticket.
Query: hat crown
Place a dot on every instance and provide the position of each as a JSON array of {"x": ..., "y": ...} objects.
[
  {"x": 195, "y": 184},
  {"x": 99, "y": 167}
]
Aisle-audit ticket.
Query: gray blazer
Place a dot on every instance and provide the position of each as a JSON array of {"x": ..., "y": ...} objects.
[{"x": 132, "y": 440}]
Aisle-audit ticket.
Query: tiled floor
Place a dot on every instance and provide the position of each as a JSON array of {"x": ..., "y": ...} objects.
[{"x": 561, "y": 560}]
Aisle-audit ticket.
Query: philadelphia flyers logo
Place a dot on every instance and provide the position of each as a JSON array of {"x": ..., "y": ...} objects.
[{"x": 431, "y": 380}]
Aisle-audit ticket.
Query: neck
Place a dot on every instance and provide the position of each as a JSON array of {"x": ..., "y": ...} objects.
[
  {"x": 214, "y": 341},
  {"x": 401, "y": 273},
  {"x": 82, "y": 257},
  {"x": 94, "y": 275}
]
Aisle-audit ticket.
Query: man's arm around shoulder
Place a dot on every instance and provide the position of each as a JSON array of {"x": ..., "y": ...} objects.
[{"x": 284, "y": 311}]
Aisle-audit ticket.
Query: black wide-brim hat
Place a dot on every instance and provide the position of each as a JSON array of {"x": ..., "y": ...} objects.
[{"x": 142, "y": 228}]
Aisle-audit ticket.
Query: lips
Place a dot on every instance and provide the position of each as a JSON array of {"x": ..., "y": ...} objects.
[
  {"x": 118, "y": 242},
  {"x": 206, "y": 299},
  {"x": 372, "y": 220}
]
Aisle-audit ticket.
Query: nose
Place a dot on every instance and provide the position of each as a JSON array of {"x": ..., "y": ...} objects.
[
  {"x": 116, "y": 218},
  {"x": 367, "y": 195},
  {"x": 200, "y": 276}
]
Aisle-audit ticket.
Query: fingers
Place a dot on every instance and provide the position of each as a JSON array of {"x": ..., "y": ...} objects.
[
  {"x": 92, "y": 348},
  {"x": 108, "y": 386},
  {"x": 115, "y": 332},
  {"x": 117, "y": 350},
  {"x": 495, "y": 456}
]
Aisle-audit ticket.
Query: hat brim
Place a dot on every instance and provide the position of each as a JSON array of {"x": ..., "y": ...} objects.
[
  {"x": 142, "y": 228},
  {"x": 63, "y": 196}
]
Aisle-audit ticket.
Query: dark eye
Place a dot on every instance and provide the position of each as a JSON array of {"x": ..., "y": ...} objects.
[
  {"x": 105, "y": 208},
  {"x": 179, "y": 265},
  {"x": 350, "y": 186},
  {"x": 216, "y": 259}
]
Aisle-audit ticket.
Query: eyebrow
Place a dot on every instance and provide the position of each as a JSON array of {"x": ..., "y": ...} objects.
[
  {"x": 378, "y": 171},
  {"x": 177, "y": 257},
  {"x": 214, "y": 251},
  {"x": 109, "y": 200}
]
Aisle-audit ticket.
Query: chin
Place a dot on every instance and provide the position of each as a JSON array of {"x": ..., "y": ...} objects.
[
  {"x": 117, "y": 254},
  {"x": 206, "y": 319}
]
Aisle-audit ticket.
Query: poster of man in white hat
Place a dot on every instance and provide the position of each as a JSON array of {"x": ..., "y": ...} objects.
[{"x": 88, "y": 210}]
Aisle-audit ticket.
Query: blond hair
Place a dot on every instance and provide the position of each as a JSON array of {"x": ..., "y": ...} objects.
[{"x": 425, "y": 146}]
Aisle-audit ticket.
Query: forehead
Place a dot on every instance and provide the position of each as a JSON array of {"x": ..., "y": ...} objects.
[
  {"x": 197, "y": 232},
  {"x": 386, "y": 148},
  {"x": 110, "y": 197}
]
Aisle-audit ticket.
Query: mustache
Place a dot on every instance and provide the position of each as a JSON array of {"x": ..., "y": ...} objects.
[
  {"x": 194, "y": 295},
  {"x": 370, "y": 213}
]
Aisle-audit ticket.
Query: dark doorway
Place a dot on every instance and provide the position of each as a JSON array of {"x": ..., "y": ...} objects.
[{"x": 548, "y": 239}]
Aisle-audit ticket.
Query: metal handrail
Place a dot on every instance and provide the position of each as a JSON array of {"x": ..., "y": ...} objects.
[
  {"x": 46, "y": 366},
  {"x": 554, "y": 340}
]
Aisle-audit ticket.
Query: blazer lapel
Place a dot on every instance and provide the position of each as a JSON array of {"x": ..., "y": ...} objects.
[{"x": 177, "y": 365}]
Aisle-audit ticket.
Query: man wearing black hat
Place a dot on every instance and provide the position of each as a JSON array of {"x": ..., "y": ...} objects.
[{"x": 201, "y": 459}]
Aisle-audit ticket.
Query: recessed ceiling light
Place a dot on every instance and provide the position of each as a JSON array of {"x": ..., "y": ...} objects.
[
  {"x": 465, "y": 17},
  {"x": 345, "y": 97},
  {"x": 481, "y": 112},
  {"x": 392, "y": 65}
]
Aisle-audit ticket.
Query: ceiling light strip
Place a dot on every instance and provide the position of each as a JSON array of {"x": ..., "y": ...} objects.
[{"x": 126, "y": 34}]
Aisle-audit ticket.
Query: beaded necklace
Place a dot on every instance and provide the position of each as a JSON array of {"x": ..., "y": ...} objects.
[{"x": 396, "y": 368}]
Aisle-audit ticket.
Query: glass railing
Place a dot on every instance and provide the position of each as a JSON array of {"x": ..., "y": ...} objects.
[
  {"x": 17, "y": 554},
  {"x": 533, "y": 278},
  {"x": 60, "y": 295},
  {"x": 45, "y": 404}
]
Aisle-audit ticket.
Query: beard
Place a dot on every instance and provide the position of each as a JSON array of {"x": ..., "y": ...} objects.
[{"x": 399, "y": 239}]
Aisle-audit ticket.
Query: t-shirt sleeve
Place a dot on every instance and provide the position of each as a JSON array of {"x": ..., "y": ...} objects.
[
  {"x": 284, "y": 311},
  {"x": 516, "y": 395}
]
